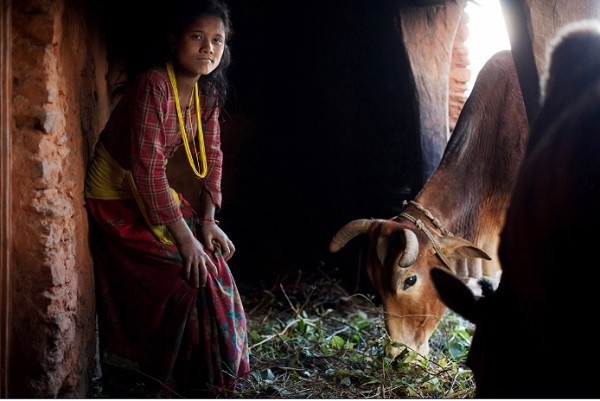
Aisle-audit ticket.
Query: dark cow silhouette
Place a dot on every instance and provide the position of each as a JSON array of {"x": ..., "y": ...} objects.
[
  {"x": 536, "y": 335},
  {"x": 457, "y": 216}
]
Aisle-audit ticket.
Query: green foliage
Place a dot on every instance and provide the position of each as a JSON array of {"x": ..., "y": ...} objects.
[{"x": 333, "y": 346}]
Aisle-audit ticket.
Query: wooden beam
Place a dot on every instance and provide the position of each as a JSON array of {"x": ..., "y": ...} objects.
[
  {"x": 431, "y": 27},
  {"x": 516, "y": 22}
]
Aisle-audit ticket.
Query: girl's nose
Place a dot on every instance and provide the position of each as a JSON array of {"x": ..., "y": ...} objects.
[{"x": 207, "y": 46}]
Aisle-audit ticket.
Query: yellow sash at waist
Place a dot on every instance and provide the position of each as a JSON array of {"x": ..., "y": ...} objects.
[{"x": 107, "y": 180}]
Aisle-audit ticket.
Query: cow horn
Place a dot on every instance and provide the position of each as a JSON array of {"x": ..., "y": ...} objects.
[
  {"x": 349, "y": 231},
  {"x": 411, "y": 250}
]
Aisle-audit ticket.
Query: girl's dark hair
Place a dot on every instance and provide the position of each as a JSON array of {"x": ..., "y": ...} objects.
[{"x": 183, "y": 13}]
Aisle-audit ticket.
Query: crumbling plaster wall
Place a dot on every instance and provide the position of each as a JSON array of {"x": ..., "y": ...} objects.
[{"x": 58, "y": 67}]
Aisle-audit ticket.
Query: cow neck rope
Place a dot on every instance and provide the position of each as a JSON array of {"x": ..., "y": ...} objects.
[
  {"x": 202, "y": 158},
  {"x": 421, "y": 226}
]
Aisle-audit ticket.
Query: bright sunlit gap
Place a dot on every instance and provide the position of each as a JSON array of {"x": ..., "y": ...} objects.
[{"x": 487, "y": 34}]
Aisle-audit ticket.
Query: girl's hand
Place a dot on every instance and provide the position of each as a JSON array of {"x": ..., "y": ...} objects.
[
  {"x": 215, "y": 239},
  {"x": 196, "y": 262}
]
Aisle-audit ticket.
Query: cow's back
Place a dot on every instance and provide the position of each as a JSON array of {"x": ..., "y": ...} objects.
[{"x": 471, "y": 189}]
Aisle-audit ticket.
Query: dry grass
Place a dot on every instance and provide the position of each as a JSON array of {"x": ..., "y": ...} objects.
[{"x": 311, "y": 339}]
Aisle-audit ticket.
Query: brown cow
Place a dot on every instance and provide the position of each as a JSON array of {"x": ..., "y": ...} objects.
[
  {"x": 535, "y": 336},
  {"x": 458, "y": 214}
]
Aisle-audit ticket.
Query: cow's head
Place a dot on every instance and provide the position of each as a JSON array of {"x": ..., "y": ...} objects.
[{"x": 399, "y": 259}]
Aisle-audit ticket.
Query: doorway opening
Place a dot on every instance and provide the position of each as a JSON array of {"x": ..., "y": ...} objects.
[{"x": 487, "y": 34}]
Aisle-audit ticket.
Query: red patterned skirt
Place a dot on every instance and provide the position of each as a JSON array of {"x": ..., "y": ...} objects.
[{"x": 192, "y": 340}]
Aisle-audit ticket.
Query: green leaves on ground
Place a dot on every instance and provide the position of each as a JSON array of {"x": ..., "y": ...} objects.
[{"x": 314, "y": 340}]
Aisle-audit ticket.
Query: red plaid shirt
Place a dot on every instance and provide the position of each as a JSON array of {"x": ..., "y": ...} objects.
[{"x": 143, "y": 133}]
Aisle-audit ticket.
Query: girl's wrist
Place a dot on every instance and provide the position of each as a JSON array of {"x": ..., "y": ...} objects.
[{"x": 209, "y": 220}]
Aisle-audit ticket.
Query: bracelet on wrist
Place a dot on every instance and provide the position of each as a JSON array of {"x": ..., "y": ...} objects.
[{"x": 204, "y": 219}]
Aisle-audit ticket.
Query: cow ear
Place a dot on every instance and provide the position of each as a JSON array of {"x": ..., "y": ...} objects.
[
  {"x": 454, "y": 293},
  {"x": 382, "y": 247},
  {"x": 460, "y": 248}
]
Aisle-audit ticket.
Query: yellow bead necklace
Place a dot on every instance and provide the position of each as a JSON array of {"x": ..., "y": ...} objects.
[{"x": 202, "y": 158}]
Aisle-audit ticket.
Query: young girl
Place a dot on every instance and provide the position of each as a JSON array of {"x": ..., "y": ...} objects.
[{"x": 168, "y": 306}]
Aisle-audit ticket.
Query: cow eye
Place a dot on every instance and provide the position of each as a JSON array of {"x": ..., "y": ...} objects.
[{"x": 409, "y": 282}]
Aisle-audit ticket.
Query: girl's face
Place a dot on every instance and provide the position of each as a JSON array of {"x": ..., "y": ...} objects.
[{"x": 200, "y": 48}]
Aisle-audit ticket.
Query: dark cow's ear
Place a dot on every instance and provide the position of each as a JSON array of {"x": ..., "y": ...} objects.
[{"x": 454, "y": 293}]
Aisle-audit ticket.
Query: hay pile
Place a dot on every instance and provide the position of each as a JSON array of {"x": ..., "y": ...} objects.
[{"x": 311, "y": 339}]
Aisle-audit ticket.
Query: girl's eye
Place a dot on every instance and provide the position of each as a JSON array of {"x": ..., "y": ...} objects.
[{"x": 409, "y": 282}]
